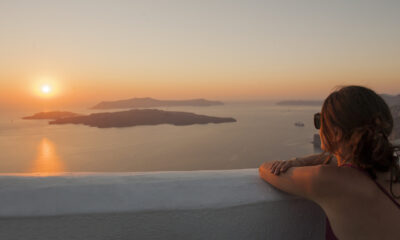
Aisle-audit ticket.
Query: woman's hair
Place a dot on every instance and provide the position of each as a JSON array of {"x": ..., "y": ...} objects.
[{"x": 359, "y": 119}]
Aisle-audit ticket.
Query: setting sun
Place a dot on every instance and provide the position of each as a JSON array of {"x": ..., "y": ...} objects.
[{"x": 46, "y": 89}]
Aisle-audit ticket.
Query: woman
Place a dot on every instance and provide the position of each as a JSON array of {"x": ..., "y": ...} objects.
[{"x": 356, "y": 179}]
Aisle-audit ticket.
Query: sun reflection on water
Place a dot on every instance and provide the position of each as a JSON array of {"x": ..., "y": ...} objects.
[{"x": 47, "y": 161}]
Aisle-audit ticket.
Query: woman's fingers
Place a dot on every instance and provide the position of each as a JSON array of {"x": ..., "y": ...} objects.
[
  {"x": 272, "y": 169},
  {"x": 285, "y": 166},
  {"x": 279, "y": 166},
  {"x": 273, "y": 166}
]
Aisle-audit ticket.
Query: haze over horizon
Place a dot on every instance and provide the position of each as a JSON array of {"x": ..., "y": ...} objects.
[{"x": 82, "y": 52}]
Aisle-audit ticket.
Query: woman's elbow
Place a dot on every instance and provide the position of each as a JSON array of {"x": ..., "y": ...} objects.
[{"x": 263, "y": 171}]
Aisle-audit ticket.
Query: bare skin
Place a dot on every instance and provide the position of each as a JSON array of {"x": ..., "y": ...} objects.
[{"x": 355, "y": 206}]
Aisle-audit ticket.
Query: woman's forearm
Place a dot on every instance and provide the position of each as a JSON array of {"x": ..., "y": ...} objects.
[{"x": 311, "y": 160}]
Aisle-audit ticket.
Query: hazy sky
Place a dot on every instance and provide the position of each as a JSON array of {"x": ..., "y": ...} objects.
[{"x": 102, "y": 50}]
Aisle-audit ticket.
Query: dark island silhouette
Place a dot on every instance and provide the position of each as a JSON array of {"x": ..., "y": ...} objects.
[
  {"x": 151, "y": 103},
  {"x": 137, "y": 117},
  {"x": 52, "y": 115}
]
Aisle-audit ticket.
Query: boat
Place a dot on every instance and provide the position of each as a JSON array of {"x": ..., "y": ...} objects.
[{"x": 299, "y": 124}]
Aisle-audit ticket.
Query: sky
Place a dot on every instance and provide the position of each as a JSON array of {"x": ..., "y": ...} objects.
[{"x": 88, "y": 51}]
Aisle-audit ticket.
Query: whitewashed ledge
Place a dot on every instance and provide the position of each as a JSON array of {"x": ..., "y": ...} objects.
[{"x": 232, "y": 204}]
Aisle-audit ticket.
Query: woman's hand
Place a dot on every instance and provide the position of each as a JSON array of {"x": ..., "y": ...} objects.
[
  {"x": 282, "y": 166},
  {"x": 278, "y": 167}
]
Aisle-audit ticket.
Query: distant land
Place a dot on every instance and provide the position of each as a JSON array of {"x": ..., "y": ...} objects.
[
  {"x": 137, "y": 117},
  {"x": 396, "y": 122},
  {"x": 52, "y": 115},
  {"x": 396, "y": 129},
  {"x": 300, "y": 103},
  {"x": 395, "y": 110},
  {"x": 391, "y": 100},
  {"x": 151, "y": 102}
]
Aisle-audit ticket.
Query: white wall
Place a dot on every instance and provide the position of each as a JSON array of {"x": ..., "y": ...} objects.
[{"x": 234, "y": 204}]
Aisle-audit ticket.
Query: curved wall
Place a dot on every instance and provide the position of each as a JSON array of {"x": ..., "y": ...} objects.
[{"x": 233, "y": 204}]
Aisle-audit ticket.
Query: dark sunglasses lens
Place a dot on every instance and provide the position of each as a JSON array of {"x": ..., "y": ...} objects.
[{"x": 317, "y": 120}]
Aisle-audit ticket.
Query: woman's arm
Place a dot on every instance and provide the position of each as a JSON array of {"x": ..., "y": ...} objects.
[
  {"x": 310, "y": 160},
  {"x": 309, "y": 182}
]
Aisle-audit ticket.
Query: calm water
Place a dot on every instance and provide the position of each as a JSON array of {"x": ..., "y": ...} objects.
[{"x": 261, "y": 133}]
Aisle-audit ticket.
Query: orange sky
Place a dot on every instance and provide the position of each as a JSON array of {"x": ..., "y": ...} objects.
[{"x": 89, "y": 51}]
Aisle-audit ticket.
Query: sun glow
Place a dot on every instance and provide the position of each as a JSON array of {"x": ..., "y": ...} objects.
[{"x": 46, "y": 88}]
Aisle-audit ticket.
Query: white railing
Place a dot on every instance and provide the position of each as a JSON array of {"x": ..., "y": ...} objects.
[{"x": 232, "y": 204}]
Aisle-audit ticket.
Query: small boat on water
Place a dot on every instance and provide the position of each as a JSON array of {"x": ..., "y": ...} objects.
[{"x": 299, "y": 124}]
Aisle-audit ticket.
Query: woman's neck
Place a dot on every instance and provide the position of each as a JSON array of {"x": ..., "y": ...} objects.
[
  {"x": 341, "y": 156},
  {"x": 340, "y": 159}
]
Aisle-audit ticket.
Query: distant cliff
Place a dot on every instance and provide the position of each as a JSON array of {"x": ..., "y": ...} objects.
[
  {"x": 396, "y": 120},
  {"x": 396, "y": 129},
  {"x": 395, "y": 111},
  {"x": 300, "y": 103},
  {"x": 391, "y": 100},
  {"x": 316, "y": 141},
  {"x": 51, "y": 115},
  {"x": 150, "y": 102},
  {"x": 141, "y": 117}
]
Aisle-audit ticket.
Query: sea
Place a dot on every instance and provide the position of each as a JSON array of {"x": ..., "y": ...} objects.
[{"x": 263, "y": 132}]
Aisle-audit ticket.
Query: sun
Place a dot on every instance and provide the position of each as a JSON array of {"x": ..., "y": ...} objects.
[{"x": 45, "y": 89}]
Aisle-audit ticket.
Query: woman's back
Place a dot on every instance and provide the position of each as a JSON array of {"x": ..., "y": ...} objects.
[{"x": 358, "y": 208}]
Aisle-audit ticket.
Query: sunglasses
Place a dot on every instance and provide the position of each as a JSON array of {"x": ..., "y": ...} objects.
[{"x": 317, "y": 120}]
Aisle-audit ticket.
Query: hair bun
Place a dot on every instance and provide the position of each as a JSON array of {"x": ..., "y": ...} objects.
[{"x": 371, "y": 148}]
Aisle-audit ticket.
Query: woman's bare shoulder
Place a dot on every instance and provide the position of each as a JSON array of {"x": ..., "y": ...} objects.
[
  {"x": 333, "y": 181},
  {"x": 332, "y": 172}
]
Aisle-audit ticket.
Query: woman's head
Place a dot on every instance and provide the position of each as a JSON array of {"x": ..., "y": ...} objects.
[{"x": 355, "y": 124}]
